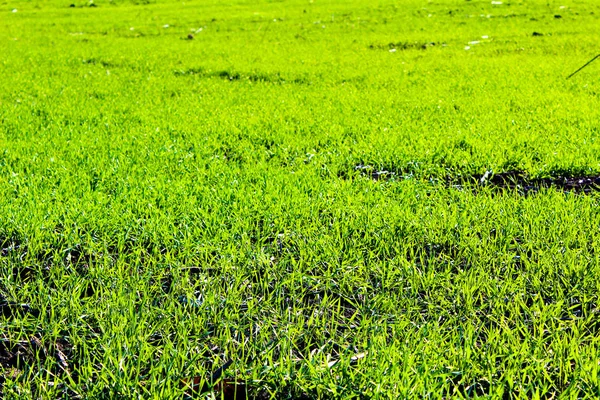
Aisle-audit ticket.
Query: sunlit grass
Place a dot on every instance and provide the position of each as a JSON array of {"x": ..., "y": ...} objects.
[{"x": 295, "y": 189}]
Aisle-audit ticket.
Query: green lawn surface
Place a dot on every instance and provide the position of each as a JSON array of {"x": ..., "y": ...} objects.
[{"x": 188, "y": 183}]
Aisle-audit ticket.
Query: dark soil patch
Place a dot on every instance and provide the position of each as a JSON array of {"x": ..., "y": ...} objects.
[
  {"x": 234, "y": 76},
  {"x": 258, "y": 77},
  {"x": 34, "y": 352},
  {"x": 513, "y": 180},
  {"x": 403, "y": 46},
  {"x": 190, "y": 71},
  {"x": 520, "y": 181},
  {"x": 10, "y": 245},
  {"x": 103, "y": 63},
  {"x": 9, "y": 309}
]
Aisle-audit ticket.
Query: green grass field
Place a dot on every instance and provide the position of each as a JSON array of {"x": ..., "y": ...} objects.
[{"x": 280, "y": 199}]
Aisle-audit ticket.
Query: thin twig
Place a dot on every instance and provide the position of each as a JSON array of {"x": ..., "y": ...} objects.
[
  {"x": 584, "y": 65},
  {"x": 217, "y": 374}
]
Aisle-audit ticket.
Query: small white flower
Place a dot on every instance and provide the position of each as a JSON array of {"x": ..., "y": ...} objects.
[
  {"x": 474, "y": 42},
  {"x": 485, "y": 37},
  {"x": 14, "y": 10},
  {"x": 165, "y": 25},
  {"x": 392, "y": 50},
  {"x": 496, "y": 3},
  {"x": 467, "y": 47}
]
